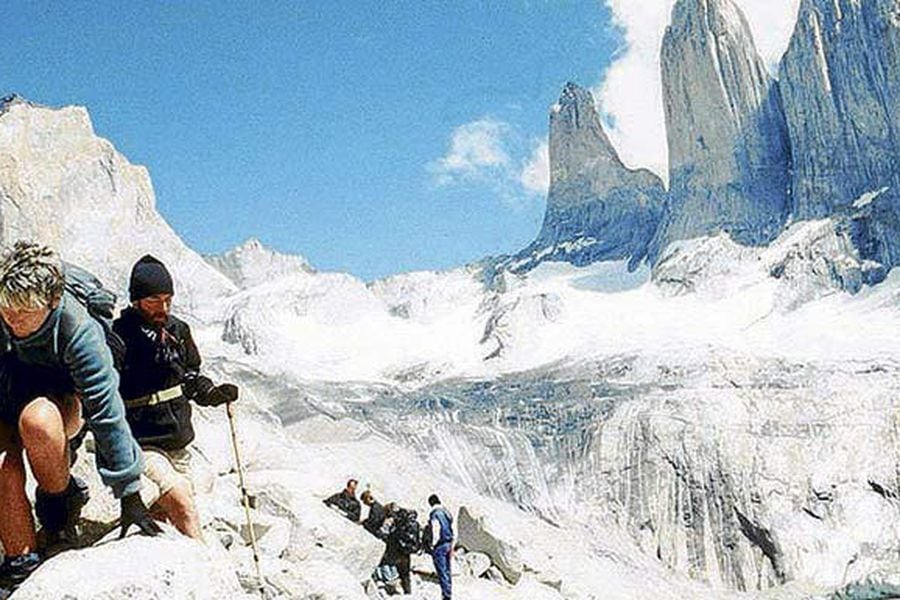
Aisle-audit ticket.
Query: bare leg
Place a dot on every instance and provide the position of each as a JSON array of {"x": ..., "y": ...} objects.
[
  {"x": 42, "y": 428},
  {"x": 178, "y": 505},
  {"x": 16, "y": 523}
]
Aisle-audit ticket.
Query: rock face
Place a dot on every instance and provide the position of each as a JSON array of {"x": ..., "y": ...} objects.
[
  {"x": 251, "y": 264},
  {"x": 63, "y": 185},
  {"x": 728, "y": 149},
  {"x": 597, "y": 209},
  {"x": 840, "y": 80},
  {"x": 475, "y": 536}
]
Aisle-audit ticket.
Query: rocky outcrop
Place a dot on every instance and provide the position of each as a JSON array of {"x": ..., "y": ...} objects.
[
  {"x": 138, "y": 568},
  {"x": 475, "y": 535},
  {"x": 728, "y": 149},
  {"x": 597, "y": 208},
  {"x": 63, "y": 185},
  {"x": 252, "y": 263},
  {"x": 840, "y": 80}
]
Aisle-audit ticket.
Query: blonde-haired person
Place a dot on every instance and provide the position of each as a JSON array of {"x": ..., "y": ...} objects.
[{"x": 55, "y": 367}]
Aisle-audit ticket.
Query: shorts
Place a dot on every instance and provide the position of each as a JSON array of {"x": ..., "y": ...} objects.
[
  {"x": 20, "y": 383},
  {"x": 167, "y": 468}
]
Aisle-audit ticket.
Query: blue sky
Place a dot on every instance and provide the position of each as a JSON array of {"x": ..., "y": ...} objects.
[{"x": 371, "y": 137}]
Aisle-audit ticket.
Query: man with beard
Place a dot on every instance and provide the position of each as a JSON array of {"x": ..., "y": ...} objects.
[{"x": 160, "y": 375}]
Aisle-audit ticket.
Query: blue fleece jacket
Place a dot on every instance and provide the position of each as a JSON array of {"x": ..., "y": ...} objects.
[{"x": 72, "y": 340}]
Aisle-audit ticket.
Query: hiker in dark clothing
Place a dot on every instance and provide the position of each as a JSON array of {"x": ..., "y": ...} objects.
[
  {"x": 160, "y": 374},
  {"x": 346, "y": 502},
  {"x": 402, "y": 540},
  {"x": 439, "y": 532},
  {"x": 376, "y": 516},
  {"x": 56, "y": 367}
]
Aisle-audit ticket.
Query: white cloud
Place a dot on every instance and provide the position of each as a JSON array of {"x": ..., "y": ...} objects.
[
  {"x": 630, "y": 94},
  {"x": 535, "y": 175},
  {"x": 476, "y": 150},
  {"x": 491, "y": 153}
]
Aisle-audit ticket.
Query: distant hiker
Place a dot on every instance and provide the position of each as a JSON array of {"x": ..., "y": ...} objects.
[
  {"x": 346, "y": 502},
  {"x": 376, "y": 516},
  {"x": 438, "y": 541},
  {"x": 56, "y": 366},
  {"x": 160, "y": 375},
  {"x": 402, "y": 541}
]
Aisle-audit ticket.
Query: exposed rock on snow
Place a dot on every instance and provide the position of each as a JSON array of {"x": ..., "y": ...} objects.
[{"x": 474, "y": 534}]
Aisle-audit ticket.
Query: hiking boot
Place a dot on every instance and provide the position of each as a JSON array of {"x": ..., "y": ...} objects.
[
  {"x": 58, "y": 514},
  {"x": 15, "y": 570}
]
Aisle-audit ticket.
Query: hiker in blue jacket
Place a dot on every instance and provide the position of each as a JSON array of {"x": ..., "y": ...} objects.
[
  {"x": 55, "y": 367},
  {"x": 440, "y": 532}
]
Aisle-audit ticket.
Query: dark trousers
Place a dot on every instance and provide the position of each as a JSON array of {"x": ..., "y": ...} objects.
[
  {"x": 441, "y": 557},
  {"x": 401, "y": 561}
]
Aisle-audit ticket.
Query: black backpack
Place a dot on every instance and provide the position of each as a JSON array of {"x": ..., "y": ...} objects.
[
  {"x": 427, "y": 541},
  {"x": 408, "y": 531},
  {"x": 100, "y": 304}
]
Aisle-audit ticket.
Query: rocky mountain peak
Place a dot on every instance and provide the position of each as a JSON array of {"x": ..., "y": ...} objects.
[
  {"x": 840, "y": 81},
  {"x": 63, "y": 185},
  {"x": 597, "y": 208},
  {"x": 729, "y": 154},
  {"x": 719, "y": 17},
  {"x": 577, "y": 140}
]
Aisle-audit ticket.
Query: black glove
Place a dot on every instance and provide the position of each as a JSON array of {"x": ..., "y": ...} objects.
[
  {"x": 218, "y": 395},
  {"x": 196, "y": 387},
  {"x": 135, "y": 513}
]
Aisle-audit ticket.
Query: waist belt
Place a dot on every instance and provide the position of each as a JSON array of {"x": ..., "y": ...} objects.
[{"x": 156, "y": 397}]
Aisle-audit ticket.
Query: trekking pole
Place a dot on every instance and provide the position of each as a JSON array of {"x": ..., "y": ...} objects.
[{"x": 245, "y": 498}]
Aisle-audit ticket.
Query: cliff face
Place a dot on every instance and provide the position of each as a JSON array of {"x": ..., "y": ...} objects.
[
  {"x": 728, "y": 150},
  {"x": 597, "y": 209},
  {"x": 840, "y": 80},
  {"x": 64, "y": 186}
]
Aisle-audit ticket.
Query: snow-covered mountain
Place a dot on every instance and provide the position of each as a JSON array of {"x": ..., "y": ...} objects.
[{"x": 252, "y": 263}]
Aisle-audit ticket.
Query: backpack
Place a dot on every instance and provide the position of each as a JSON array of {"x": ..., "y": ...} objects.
[
  {"x": 408, "y": 531},
  {"x": 100, "y": 304},
  {"x": 427, "y": 542}
]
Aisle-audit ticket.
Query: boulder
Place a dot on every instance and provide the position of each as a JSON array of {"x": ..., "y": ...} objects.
[
  {"x": 476, "y": 534},
  {"x": 137, "y": 568}
]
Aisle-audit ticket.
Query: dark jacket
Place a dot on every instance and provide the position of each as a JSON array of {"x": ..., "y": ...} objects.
[
  {"x": 346, "y": 503},
  {"x": 394, "y": 554},
  {"x": 72, "y": 343},
  {"x": 375, "y": 519},
  {"x": 157, "y": 359}
]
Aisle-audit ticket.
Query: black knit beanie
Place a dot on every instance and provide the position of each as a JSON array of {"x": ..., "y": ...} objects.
[{"x": 148, "y": 277}]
